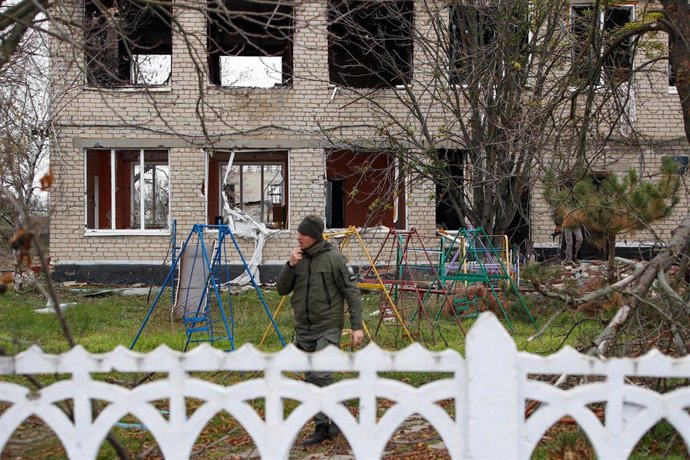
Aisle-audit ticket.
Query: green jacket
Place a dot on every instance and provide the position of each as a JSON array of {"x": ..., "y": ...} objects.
[{"x": 320, "y": 283}]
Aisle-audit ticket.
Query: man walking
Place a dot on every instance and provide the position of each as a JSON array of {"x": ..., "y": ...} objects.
[{"x": 317, "y": 275}]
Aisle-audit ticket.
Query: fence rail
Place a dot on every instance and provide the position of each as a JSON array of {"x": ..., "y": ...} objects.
[{"x": 490, "y": 389}]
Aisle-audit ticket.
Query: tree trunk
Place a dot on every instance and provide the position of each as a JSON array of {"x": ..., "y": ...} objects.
[
  {"x": 679, "y": 53},
  {"x": 611, "y": 252}
]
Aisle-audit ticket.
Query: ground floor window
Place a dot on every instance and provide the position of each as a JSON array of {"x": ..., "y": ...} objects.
[
  {"x": 363, "y": 189},
  {"x": 255, "y": 183},
  {"x": 449, "y": 189},
  {"x": 127, "y": 189}
]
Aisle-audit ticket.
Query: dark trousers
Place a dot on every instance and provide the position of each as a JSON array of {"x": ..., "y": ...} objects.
[
  {"x": 573, "y": 242},
  {"x": 311, "y": 342}
]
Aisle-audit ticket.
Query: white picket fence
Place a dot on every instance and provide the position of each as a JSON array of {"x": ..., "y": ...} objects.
[{"x": 491, "y": 389}]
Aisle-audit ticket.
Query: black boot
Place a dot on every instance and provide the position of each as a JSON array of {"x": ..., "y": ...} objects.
[
  {"x": 333, "y": 430},
  {"x": 319, "y": 436}
]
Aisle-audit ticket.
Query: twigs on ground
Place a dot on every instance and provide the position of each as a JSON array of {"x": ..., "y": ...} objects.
[{"x": 660, "y": 263}]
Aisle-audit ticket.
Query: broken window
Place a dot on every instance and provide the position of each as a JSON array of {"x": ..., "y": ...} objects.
[
  {"x": 250, "y": 42},
  {"x": 256, "y": 184},
  {"x": 681, "y": 162},
  {"x": 671, "y": 70},
  {"x": 128, "y": 42},
  {"x": 582, "y": 20},
  {"x": 618, "y": 64},
  {"x": 486, "y": 40},
  {"x": 363, "y": 189},
  {"x": 452, "y": 162},
  {"x": 370, "y": 42},
  {"x": 127, "y": 189},
  {"x": 472, "y": 33}
]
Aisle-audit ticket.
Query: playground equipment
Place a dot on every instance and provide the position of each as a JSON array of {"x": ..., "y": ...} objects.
[
  {"x": 406, "y": 272},
  {"x": 470, "y": 261},
  {"x": 203, "y": 287}
]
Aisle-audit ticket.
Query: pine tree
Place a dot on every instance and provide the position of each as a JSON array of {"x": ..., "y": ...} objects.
[{"x": 618, "y": 206}]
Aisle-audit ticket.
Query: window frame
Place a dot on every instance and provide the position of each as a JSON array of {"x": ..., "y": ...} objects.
[
  {"x": 376, "y": 78},
  {"x": 121, "y": 76},
  {"x": 243, "y": 158},
  {"x": 215, "y": 49},
  {"x": 343, "y": 164},
  {"x": 113, "y": 230},
  {"x": 604, "y": 76}
]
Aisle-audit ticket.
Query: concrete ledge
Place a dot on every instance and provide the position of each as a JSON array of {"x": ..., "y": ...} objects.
[
  {"x": 130, "y": 273},
  {"x": 628, "y": 252}
]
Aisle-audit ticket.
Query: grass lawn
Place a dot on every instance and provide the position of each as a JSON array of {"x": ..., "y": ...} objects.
[{"x": 100, "y": 323}]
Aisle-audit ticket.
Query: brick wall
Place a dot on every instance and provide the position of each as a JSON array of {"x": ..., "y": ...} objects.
[{"x": 191, "y": 115}]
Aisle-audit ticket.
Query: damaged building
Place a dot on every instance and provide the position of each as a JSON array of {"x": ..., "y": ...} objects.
[{"x": 161, "y": 96}]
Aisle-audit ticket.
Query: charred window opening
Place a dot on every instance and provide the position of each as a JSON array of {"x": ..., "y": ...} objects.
[
  {"x": 363, "y": 189},
  {"x": 119, "y": 196},
  {"x": 128, "y": 43},
  {"x": 671, "y": 70},
  {"x": 472, "y": 32},
  {"x": 582, "y": 21},
  {"x": 370, "y": 43},
  {"x": 256, "y": 184},
  {"x": 452, "y": 164},
  {"x": 618, "y": 64},
  {"x": 487, "y": 40},
  {"x": 250, "y": 42}
]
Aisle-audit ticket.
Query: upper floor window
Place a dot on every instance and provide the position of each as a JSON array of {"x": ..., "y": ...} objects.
[
  {"x": 671, "y": 70},
  {"x": 250, "y": 43},
  {"x": 617, "y": 66},
  {"x": 127, "y": 189},
  {"x": 487, "y": 39},
  {"x": 370, "y": 42},
  {"x": 128, "y": 43}
]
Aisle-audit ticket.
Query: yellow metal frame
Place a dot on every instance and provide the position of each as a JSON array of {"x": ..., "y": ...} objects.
[{"x": 347, "y": 234}]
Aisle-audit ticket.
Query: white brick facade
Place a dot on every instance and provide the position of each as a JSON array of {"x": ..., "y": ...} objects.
[{"x": 282, "y": 118}]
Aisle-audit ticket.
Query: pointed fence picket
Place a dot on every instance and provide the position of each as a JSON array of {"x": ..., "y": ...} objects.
[{"x": 490, "y": 390}]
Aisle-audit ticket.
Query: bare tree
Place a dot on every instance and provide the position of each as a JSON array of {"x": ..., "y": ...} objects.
[
  {"x": 490, "y": 92},
  {"x": 491, "y": 100},
  {"x": 24, "y": 142}
]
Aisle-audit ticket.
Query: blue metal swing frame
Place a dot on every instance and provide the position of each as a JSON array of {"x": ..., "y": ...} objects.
[{"x": 200, "y": 321}]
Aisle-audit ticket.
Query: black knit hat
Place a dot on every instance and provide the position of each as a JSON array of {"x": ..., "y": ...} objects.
[{"x": 312, "y": 226}]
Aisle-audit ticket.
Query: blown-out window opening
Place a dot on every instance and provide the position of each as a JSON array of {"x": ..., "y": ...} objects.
[
  {"x": 617, "y": 67},
  {"x": 364, "y": 189},
  {"x": 370, "y": 43},
  {"x": 249, "y": 43},
  {"x": 127, "y": 43},
  {"x": 257, "y": 184}
]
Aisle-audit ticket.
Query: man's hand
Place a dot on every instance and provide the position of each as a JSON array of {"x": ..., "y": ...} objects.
[
  {"x": 295, "y": 257},
  {"x": 357, "y": 337}
]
